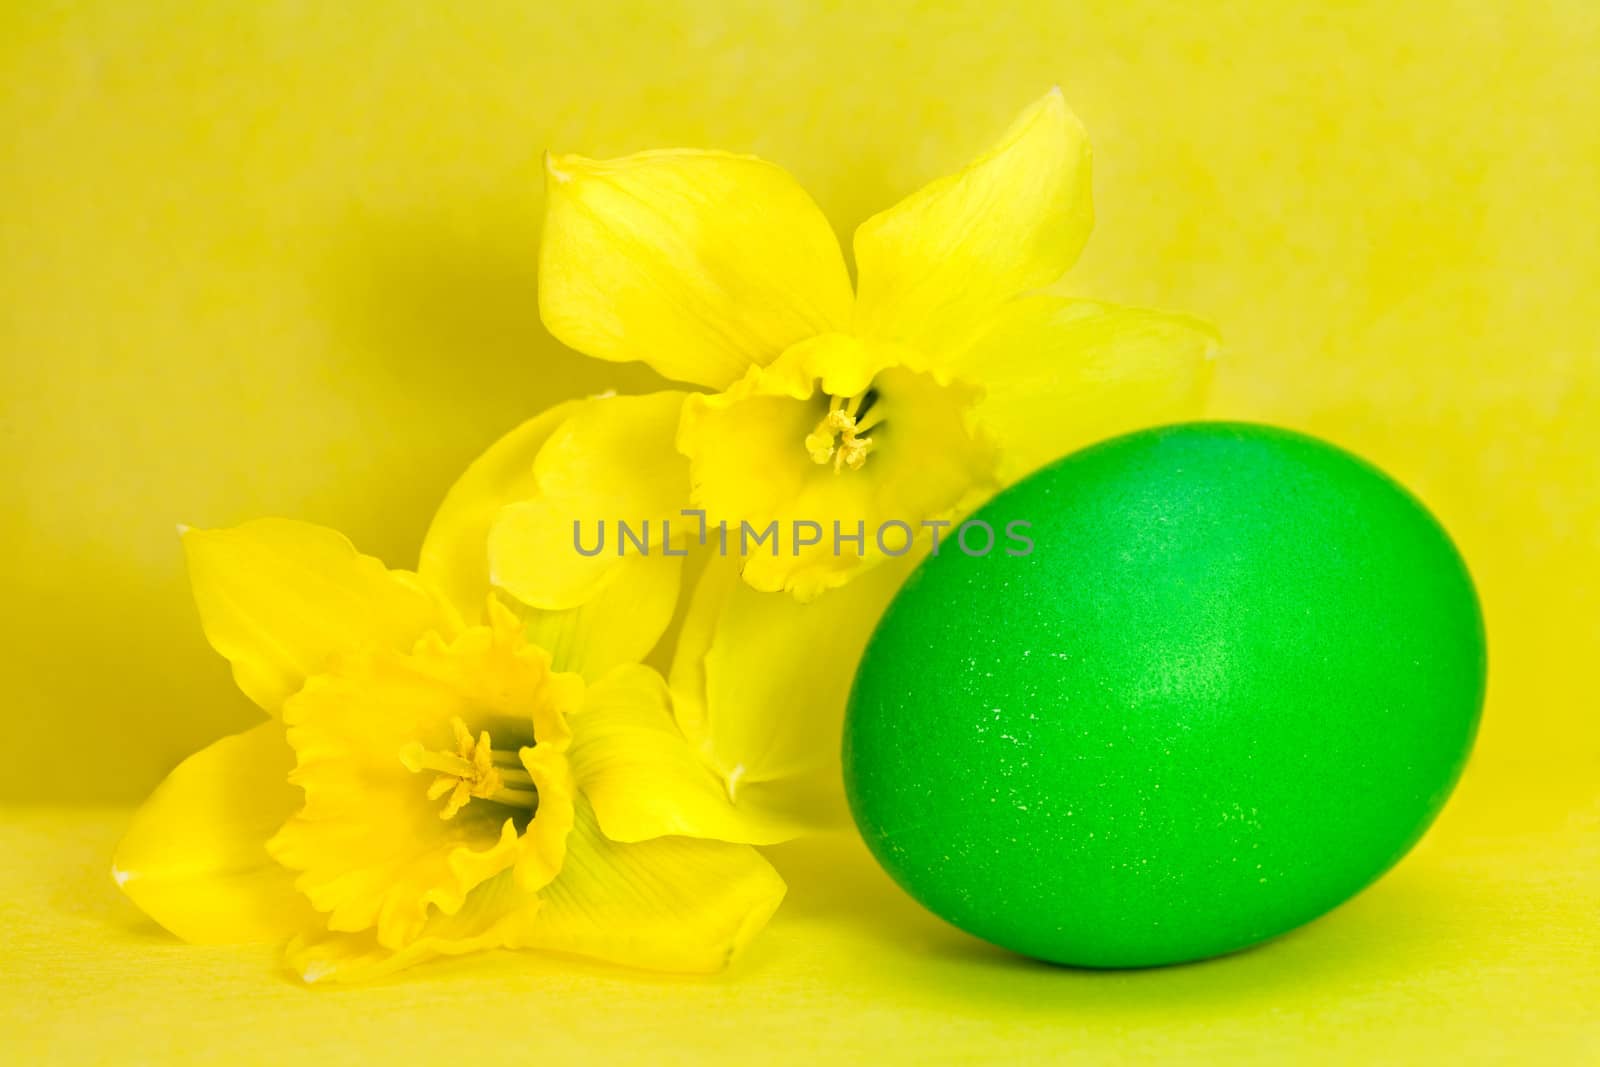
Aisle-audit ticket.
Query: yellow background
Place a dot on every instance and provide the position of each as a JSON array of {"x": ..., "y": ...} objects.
[{"x": 280, "y": 258}]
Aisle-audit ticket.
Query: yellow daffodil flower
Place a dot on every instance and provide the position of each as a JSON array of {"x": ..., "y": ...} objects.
[
  {"x": 430, "y": 782},
  {"x": 945, "y": 372}
]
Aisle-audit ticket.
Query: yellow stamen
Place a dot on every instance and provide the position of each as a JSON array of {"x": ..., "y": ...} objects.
[
  {"x": 837, "y": 437},
  {"x": 474, "y": 769}
]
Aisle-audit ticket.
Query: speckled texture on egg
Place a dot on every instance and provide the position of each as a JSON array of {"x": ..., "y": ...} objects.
[{"x": 1233, "y": 682}]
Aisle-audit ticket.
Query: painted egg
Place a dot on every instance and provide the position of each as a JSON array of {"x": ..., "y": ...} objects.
[{"x": 1207, "y": 683}]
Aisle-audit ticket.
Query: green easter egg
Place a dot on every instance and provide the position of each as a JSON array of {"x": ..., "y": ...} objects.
[{"x": 1230, "y": 685}]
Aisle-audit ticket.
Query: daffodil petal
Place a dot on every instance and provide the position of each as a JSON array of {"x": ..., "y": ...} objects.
[
  {"x": 615, "y": 454},
  {"x": 195, "y": 857},
  {"x": 277, "y": 598},
  {"x": 1060, "y": 374},
  {"x": 494, "y": 915},
  {"x": 759, "y": 683},
  {"x": 455, "y": 552},
  {"x": 697, "y": 263},
  {"x": 619, "y": 616},
  {"x": 534, "y": 554},
  {"x": 612, "y": 462},
  {"x": 643, "y": 780},
  {"x": 622, "y": 623},
  {"x": 935, "y": 266},
  {"x": 671, "y": 904}
]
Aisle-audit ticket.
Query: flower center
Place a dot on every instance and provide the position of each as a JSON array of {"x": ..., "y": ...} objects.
[
  {"x": 837, "y": 438},
  {"x": 474, "y": 769}
]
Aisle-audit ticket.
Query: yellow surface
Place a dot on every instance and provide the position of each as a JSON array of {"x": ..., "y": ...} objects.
[
  {"x": 1471, "y": 952},
  {"x": 280, "y": 258}
]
